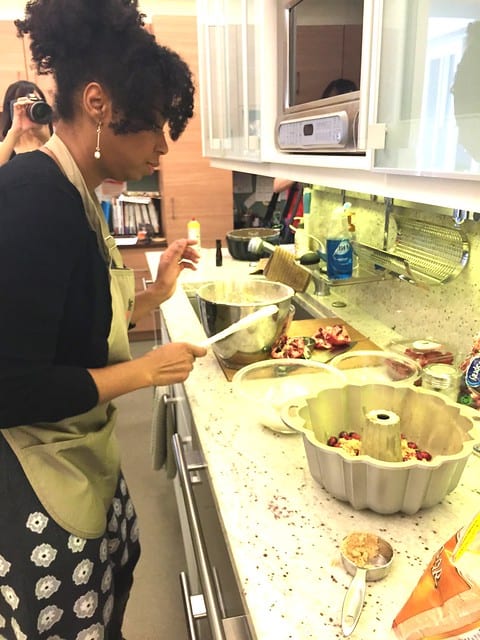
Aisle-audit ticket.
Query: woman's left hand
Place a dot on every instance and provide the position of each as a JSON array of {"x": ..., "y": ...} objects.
[{"x": 178, "y": 256}]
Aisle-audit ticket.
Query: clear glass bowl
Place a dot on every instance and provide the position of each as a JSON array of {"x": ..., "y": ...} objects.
[
  {"x": 267, "y": 385},
  {"x": 377, "y": 367}
]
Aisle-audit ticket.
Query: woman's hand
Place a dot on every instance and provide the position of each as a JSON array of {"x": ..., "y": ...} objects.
[
  {"x": 176, "y": 257},
  {"x": 179, "y": 255},
  {"x": 20, "y": 120},
  {"x": 172, "y": 362},
  {"x": 167, "y": 364}
]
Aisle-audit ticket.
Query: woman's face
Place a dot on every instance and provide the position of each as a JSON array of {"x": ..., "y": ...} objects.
[{"x": 132, "y": 156}]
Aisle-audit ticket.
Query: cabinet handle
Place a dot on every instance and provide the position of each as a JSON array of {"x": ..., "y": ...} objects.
[
  {"x": 204, "y": 570},
  {"x": 187, "y": 604},
  {"x": 172, "y": 208}
]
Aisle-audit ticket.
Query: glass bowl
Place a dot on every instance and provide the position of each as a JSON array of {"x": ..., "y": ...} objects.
[
  {"x": 265, "y": 386},
  {"x": 369, "y": 367}
]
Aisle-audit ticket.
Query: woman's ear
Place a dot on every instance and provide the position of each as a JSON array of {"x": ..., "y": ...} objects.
[{"x": 96, "y": 102}]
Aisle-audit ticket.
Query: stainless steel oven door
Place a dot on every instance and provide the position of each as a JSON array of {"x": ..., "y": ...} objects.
[{"x": 217, "y": 613}]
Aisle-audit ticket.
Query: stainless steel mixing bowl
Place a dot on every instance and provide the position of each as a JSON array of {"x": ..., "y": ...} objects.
[{"x": 224, "y": 302}]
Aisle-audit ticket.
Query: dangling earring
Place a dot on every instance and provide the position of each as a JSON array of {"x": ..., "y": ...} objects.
[{"x": 97, "y": 155}]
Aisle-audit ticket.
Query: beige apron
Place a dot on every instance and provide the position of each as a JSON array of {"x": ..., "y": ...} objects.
[{"x": 73, "y": 464}]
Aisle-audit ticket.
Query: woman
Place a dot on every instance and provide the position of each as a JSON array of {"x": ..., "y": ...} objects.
[
  {"x": 19, "y": 133},
  {"x": 69, "y": 539}
]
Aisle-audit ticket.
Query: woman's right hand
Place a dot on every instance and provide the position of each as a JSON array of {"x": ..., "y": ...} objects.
[
  {"x": 172, "y": 362},
  {"x": 20, "y": 120},
  {"x": 167, "y": 364}
]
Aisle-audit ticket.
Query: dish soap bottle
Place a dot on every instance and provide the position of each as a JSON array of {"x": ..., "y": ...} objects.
[
  {"x": 339, "y": 249},
  {"x": 193, "y": 231}
]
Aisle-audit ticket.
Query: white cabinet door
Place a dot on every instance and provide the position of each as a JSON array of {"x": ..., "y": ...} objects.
[
  {"x": 428, "y": 89},
  {"x": 230, "y": 77}
]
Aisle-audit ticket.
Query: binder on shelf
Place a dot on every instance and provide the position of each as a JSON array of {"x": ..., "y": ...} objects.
[{"x": 133, "y": 211}]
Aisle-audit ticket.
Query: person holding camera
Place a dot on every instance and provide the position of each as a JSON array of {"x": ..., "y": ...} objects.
[
  {"x": 26, "y": 120},
  {"x": 69, "y": 538}
]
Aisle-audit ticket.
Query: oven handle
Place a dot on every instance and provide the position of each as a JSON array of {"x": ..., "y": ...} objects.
[{"x": 210, "y": 597}]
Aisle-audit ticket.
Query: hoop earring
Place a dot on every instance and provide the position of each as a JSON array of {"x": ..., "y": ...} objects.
[{"x": 97, "y": 155}]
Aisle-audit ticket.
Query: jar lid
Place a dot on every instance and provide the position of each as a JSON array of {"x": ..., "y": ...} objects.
[
  {"x": 440, "y": 375},
  {"x": 426, "y": 345}
]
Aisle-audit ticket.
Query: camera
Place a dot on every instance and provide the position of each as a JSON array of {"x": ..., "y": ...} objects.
[{"x": 36, "y": 109}]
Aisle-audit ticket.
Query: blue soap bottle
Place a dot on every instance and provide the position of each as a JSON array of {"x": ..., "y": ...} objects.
[{"x": 339, "y": 248}]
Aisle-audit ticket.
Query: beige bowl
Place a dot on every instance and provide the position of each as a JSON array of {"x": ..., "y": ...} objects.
[{"x": 434, "y": 422}]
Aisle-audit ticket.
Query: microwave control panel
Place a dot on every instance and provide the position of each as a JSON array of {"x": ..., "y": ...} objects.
[{"x": 329, "y": 131}]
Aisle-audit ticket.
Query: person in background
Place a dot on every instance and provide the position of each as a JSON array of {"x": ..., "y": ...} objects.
[
  {"x": 338, "y": 86},
  {"x": 293, "y": 205},
  {"x": 69, "y": 534},
  {"x": 19, "y": 133}
]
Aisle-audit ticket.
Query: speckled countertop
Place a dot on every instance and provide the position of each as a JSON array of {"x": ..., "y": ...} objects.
[{"x": 282, "y": 528}]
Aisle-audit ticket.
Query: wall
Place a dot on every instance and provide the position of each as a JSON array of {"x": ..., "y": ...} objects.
[{"x": 446, "y": 312}]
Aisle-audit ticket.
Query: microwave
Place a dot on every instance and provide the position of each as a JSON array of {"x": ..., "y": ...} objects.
[{"x": 323, "y": 75}]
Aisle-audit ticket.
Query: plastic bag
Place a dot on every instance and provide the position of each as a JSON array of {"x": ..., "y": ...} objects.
[{"x": 446, "y": 601}]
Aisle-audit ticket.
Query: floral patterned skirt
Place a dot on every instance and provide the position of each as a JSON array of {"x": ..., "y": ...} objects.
[{"x": 53, "y": 585}]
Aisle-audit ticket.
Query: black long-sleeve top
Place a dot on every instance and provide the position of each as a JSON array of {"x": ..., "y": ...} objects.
[{"x": 55, "y": 305}]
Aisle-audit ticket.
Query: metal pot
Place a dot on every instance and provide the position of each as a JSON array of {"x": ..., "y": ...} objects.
[
  {"x": 237, "y": 241},
  {"x": 224, "y": 302}
]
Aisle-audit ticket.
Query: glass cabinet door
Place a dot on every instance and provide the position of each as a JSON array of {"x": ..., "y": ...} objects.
[
  {"x": 230, "y": 83},
  {"x": 428, "y": 87}
]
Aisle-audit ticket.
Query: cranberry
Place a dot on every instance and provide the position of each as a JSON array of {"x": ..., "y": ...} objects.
[
  {"x": 412, "y": 445},
  {"x": 342, "y": 434},
  {"x": 332, "y": 441},
  {"x": 354, "y": 435}
]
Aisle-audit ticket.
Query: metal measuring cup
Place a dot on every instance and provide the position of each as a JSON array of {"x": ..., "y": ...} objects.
[{"x": 375, "y": 568}]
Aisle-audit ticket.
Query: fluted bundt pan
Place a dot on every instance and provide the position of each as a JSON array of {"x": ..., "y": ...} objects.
[{"x": 437, "y": 425}]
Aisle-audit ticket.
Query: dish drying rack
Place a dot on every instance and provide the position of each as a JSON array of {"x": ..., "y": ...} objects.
[{"x": 423, "y": 253}]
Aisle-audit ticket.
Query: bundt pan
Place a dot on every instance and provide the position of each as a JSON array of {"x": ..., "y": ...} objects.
[{"x": 435, "y": 423}]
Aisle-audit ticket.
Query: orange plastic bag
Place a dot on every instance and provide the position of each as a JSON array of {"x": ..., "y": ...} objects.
[{"x": 446, "y": 601}]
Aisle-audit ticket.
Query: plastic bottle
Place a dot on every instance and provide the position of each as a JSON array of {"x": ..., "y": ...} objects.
[
  {"x": 307, "y": 201},
  {"x": 339, "y": 249},
  {"x": 353, "y": 236},
  {"x": 193, "y": 231}
]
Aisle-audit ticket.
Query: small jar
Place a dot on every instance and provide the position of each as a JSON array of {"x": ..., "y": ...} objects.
[{"x": 443, "y": 378}]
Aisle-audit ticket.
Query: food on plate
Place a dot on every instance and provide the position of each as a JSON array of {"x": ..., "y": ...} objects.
[
  {"x": 351, "y": 443},
  {"x": 328, "y": 337}
]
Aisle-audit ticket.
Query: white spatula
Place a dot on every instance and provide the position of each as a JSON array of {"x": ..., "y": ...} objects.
[{"x": 263, "y": 312}]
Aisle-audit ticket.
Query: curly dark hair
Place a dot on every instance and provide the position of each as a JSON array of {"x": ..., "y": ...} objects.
[{"x": 105, "y": 41}]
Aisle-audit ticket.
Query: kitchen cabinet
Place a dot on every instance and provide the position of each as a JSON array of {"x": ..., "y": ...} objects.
[
  {"x": 432, "y": 123},
  {"x": 230, "y": 51},
  {"x": 422, "y": 160},
  {"x": 213, "y": 604},
  {"x": 190, "y": 187}
]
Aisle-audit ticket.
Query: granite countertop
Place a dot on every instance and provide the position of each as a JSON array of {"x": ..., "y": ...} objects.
[{"x": 282, "y": 528}]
